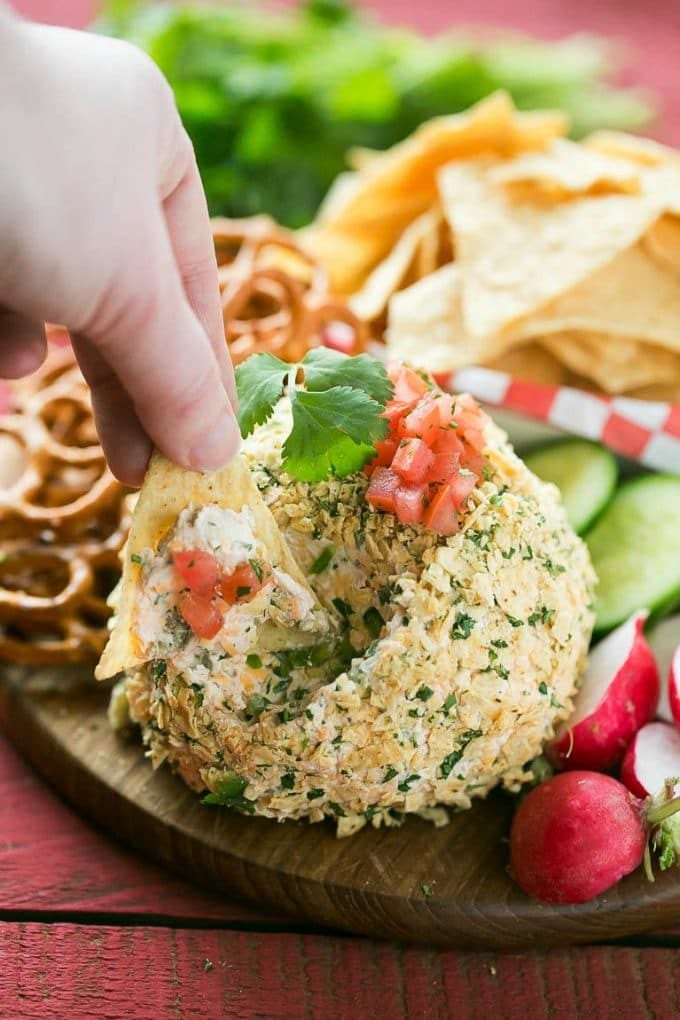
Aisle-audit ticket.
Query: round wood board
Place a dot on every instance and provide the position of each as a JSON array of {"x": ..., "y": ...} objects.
[{"x": 447, "y": 887}]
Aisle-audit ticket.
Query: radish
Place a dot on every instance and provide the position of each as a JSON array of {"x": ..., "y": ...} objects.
[
  {"x": 652, "y": 758},
  {"x": 665, "y": 643},
  {"x": 576, "y": 835},
  {"x": 619, "y": 694}
]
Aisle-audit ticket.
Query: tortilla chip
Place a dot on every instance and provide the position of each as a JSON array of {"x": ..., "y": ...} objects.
[
  {"x": 401, "y": 184},
  {"x": 565, "y": 170},
  {"x": 663, "y": 184},
  {"x": 616, "y": 364},
  {"x": 662, "y": 242},
  {"x": 634, "y": 297},
  {"x": 340, "y": 193},
  {"x": 667, "y": 393},
  {"x": 516, "y": 257},
  {"x": 533, "y": 363},
  {"x": 389, "y": 276},
  {"x": 167, "y": 490},
  {"x": 425, "y": 325},
  {"x": 644, "y": 151},
  {"x": 360, "y": 156}
]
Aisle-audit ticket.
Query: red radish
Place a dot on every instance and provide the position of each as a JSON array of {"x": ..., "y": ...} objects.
[
  {"x": 665, "y": 643},
  {"x": 674, "y": 687},
  {"x": 652, "y": 758},
  {"x": 619, "y": 694},
  {"x": 575, "y": 836}
]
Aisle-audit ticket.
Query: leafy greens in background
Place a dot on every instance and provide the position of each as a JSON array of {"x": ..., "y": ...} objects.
[{"x": 273, "y": 100}]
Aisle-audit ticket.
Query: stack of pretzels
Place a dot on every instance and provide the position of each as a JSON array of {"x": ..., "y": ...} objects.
[
  {"x": 63, "y": 519},
  {"x": 63, "y": 516}
]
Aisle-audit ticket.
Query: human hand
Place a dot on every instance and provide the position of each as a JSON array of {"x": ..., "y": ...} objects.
[{"x": 104, "y": 229}]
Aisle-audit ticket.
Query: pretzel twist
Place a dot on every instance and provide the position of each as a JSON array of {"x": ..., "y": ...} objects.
[
  {"x": 63, "y": 521},
  {"x": 275, "y": 297}
]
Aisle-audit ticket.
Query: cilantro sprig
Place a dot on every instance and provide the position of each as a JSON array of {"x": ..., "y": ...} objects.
[{"x": 337, "y": 404}]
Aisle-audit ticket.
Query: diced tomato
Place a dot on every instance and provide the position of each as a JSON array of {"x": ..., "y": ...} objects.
[
  {"x": 409, "y": 386},
  {"x": 395, "y": 411},
  {"x": 409, "y": 503},
  {"x": 448, "y": 441},
  {"x": 444, "y": 466},
  {"x": 413, "y": 460},
  {"x": 198, "y": 570},
  {"x": 381, "y": 491},
  {"x": 385, "y": 450},
  {"x": 423, "y": 421},
  {"x": 460, "y": 487},
  {"x": 441, "y": 516},
  {"x": 244, "y": 583},
  {"x": 475, "y": 437},
  {"x": 445, "y": 407},
  {"x": 472, "y": 460},
  {"x": 470, "y": 421},
  {"x": 201, "y": 614}
]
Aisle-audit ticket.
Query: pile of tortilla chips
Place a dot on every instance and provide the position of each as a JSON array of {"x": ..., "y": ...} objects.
[{"x": 488, "y": 238}]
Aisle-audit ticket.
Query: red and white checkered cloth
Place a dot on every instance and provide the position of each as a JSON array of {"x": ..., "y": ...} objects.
[{"x": 642, "y": 430}]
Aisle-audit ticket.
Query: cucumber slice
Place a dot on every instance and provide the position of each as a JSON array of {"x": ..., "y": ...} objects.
[
  {"x": 584, "y": 472},
  {"x": 635, "y": 548}
]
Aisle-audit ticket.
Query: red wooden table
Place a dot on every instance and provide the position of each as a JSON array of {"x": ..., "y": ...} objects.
[{"x": 88, "y": 928}]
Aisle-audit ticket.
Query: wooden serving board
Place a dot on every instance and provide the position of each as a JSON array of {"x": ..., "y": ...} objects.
[{"x": 447, "y": 887}]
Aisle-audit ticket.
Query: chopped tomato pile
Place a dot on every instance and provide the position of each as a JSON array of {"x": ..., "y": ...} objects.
[
  {"x": 432, "y": 459},
  {"x": 210, "y": 591}
]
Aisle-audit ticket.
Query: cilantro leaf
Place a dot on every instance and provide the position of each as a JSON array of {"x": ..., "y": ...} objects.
[
  {"x": 333, "y": 433},
  {"x": 324, "y": 369},
  {"x": 259, "y": 382}
]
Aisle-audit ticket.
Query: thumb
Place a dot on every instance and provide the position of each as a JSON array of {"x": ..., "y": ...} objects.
[{"x": 148, "y": 334}]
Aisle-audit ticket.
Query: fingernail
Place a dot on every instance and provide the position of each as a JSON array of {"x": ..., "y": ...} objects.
[{"x": 217, "y": 447}]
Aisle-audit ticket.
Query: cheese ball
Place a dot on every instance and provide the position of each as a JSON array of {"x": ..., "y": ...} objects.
[{"x": 444, "y": 665}]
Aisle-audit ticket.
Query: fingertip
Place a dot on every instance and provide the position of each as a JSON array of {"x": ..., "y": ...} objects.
[
  {"x": 23, "y": 345},
  {"x": 217, "y": 446},
  {"x": 128, "y": 464}
]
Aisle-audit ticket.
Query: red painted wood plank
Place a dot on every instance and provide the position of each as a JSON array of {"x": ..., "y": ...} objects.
[
  {"x": 80, "y": 972},
  {"x": 50, "y": 859}
]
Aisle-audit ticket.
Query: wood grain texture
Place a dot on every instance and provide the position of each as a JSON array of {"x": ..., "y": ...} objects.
[
  {"x": 66, "y": 971},
  {"x": 51, "y": 860},
  {"x": 371, "y": 884}
]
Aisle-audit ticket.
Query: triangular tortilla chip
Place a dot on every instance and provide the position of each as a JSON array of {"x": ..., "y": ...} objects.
[
  {"x": 565, "y": 170},
  {"x": 401, "y": 184},
  {"x": 168, "y": 490},
  {"x": 515, "y": 256},
  {"x": 615, "y": 363},
  {"x": 634, "y": 296},
  {"x": 644, "y": 151},
  {"x": 389, "y": 275},
  {"x": 425, "y": 325},
  {"x": 662, "y": 241}
]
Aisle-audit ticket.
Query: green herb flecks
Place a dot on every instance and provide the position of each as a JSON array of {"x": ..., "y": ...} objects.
[
  {"x": 322, "y": 560},
  {"x": 374, "y": 622},
  {"x": 462, "y": 627},
  {"x": 229, "y": 793},
  {"x": 447, "y": 764}
]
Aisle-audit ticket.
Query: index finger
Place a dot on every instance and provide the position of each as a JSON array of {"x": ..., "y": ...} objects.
[{"x": 188, "y": 224}]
